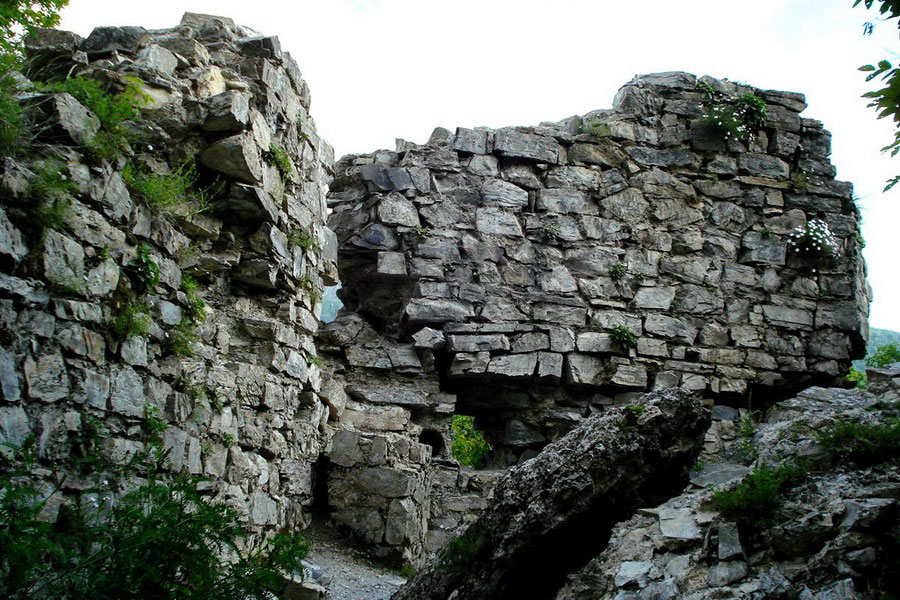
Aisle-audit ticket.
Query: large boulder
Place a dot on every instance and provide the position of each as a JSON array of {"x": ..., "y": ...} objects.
[{"x": 554, "y": 512}]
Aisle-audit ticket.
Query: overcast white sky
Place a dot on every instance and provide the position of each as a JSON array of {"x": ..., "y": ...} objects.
[{"x": 383, "y": 69}]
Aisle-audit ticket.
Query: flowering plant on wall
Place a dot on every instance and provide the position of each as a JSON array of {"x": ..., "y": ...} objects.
[
  {"x": 814, "y": 241},
  {"x": 737, "y": 118}
]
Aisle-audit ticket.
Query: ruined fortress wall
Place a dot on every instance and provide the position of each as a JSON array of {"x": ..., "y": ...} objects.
[
  {"x": 240, "y": 404},
  {"x": 485, "y": 272},
  {"x": 531, "y": 251}
]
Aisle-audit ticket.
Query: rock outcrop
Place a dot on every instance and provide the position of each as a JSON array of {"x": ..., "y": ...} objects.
[
  {"x": 557, "y": 509},
  {"x": 94, "y": 345},
  {"x": 834, "y": 534}
]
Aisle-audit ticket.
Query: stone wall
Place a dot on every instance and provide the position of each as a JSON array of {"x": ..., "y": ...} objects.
[
  {"x": 390, "y": 420},
  {"x": 519, "y": 252},
  {"x": 241, "y": 402}
]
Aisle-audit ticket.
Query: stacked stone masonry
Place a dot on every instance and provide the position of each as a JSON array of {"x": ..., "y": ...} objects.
[
  {"x": 241, "y": 405},
  {"x": 484, "y": 273},
  {"x": 513, "y": 256}
]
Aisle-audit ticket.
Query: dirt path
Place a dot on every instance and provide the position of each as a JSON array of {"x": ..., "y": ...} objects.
[{"x": 353, "y": 575}]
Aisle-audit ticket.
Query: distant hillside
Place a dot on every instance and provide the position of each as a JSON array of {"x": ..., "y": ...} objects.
[{"x": 878, "y": 337}]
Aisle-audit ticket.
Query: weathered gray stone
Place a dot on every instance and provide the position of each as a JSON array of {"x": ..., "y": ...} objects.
[
  {"x": 514, "y": 366},
  {"x": 496, "y": 192},
  {"x": 437, "y": 311},
  {"x": 630, "y": 376},
  {"x": 67, "y": 119},
  {"x": 237, "y": 156},
  {"x": 729, "y": 541},
  {"x": 565, "y": 201},
  {"x": 787, "y": 317},
  {"x": 583, "y": 369},
  {"x": 724, "y": 573},
  {"x": 375, "y": 418},
  {"x": 633, "y": 573},
  {"x": 531, "y": 342},
  {"x": 127, "y": 393},
  {"x": 670, "y": 328},
  {"x": 122, "y": 39},
  {"x": 12, "y": 245},
  {"x": 763, "y": 165},
  {"x": 429, "y": 338},
  {"x": 9, "y": 378},
  {"x": 157, "y": 58},
  {"x": 477, "y": 343},
  {"x": 628, "y": 206},
  {"x": 64, "y": 261},
  {"x": 385, "y": 178},
  {"x": 388, "y": 483},
  {"x": 679, "y": 524},
  {"x": 46, "y": 377},
  {"x": 228, "y": 112},
  {"x": 654, "y": 298},
  {"x": 14, "y": 427},
  {"x": 377, "y": 237},
  {"x": 391, "y": 264},
  {"x": 595, "y": 342},
  {"x": 470, "y": 140},
  {"x": 508, "y": 142},
  {"x": 496, "y": 221}
]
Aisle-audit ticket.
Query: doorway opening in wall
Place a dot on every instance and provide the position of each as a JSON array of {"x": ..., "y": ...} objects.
[
  {"x": 468, "y": 446},
  {"x": 320, "y": 504}
]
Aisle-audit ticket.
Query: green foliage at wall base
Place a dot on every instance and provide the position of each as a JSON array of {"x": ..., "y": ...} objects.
[
  {"x": 754, "y": 500},
  {"x": 162, "y": 540}
]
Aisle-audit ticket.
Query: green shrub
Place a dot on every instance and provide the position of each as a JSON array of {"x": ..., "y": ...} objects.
[
  {"x": 304, "y": 239},
  {"x": 281, "y": 160},
  {"x": 165, "y": 191},
  {"x": 858, "y": 378},
  {"x": 597, "y": 129},
  {"x": 461, "y": 551},
  {"x": 182, "y": 338},
  {"x": 883, "y": 356},
  {"x": 623, "y": 337},
  {"x": 617, "y": 271},
  {"x": 51, "y": 192},
  {"x": 636, "y": 410},
  {"x": 196, "y": 308},
  {"x": 113, "y": 111},
  {"x": 162, "y": 540},
  {"x": 468, "y": 445},
  {"x": 549, "y": 232},
  {"x": 419, "y": 232},
  {"x": 862, "y": 444},
  {"x": 754, "y": 500},
  {"x": 133, "y": 320},
  {"x": 143, "y": 270}
]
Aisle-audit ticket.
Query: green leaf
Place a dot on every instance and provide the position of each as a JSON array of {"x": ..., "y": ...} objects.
[{"x": 867, "y": 68}]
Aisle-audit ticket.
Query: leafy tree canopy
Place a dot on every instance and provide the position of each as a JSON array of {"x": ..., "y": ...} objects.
[
  {"x": 886, "y": 101},
  {"x": 18, "y": 17}
]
